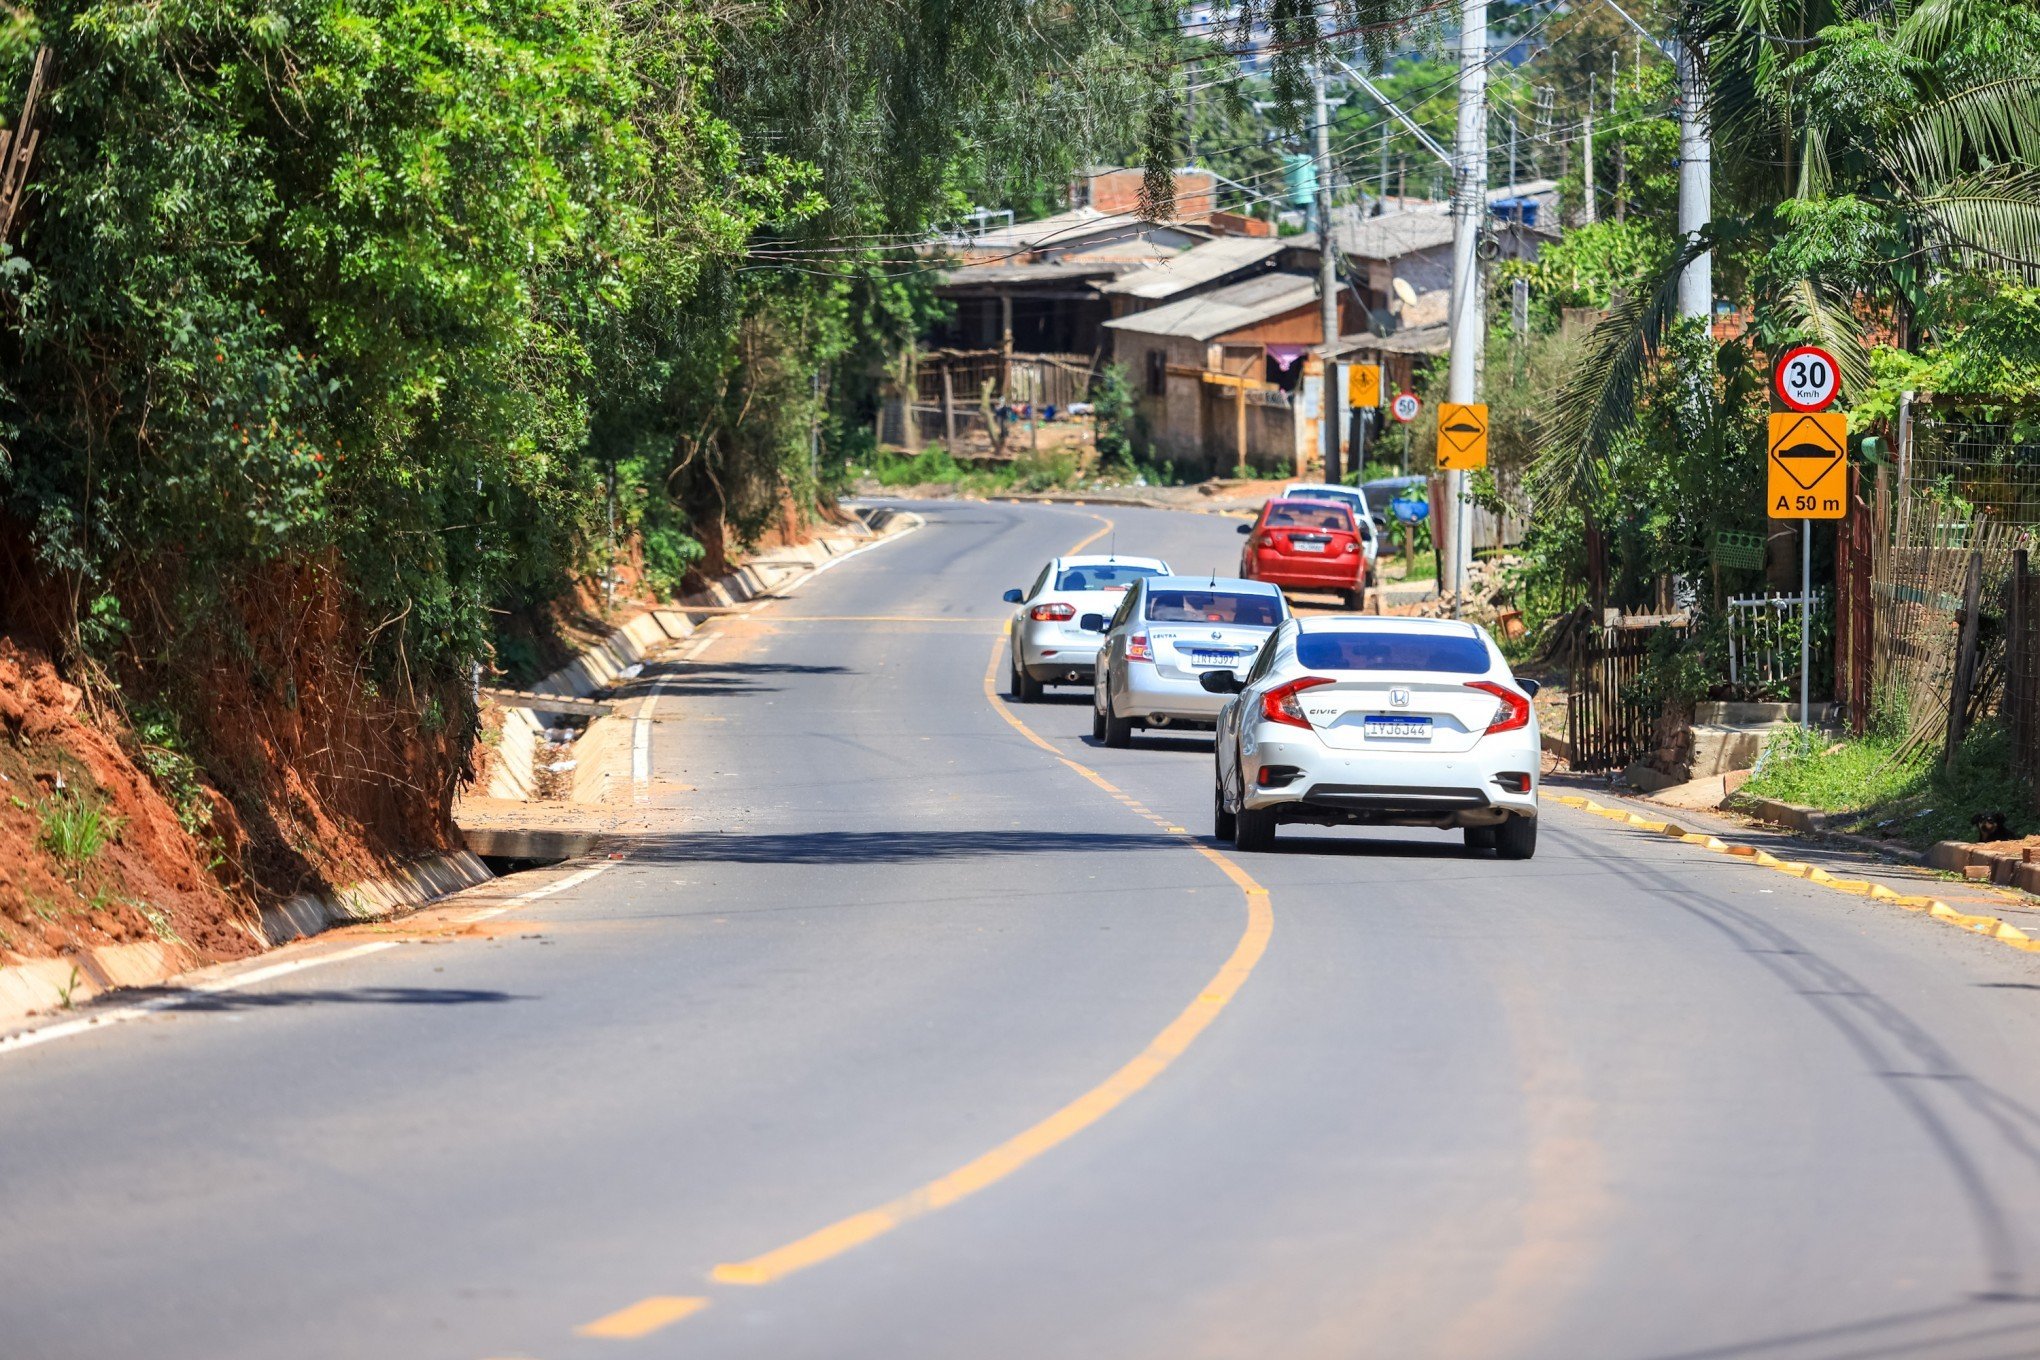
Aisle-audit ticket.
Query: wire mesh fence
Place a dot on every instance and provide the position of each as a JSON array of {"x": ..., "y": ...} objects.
[
  {"x": 1988, "y": 469},
  {"x": 1918, "y": 586}
]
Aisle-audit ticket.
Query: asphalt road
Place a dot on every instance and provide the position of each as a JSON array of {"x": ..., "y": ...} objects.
[{"x": 939, "y": 1043}]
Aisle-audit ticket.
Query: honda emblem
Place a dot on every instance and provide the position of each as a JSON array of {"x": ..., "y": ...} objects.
[{"x": 1399, "y": 698}]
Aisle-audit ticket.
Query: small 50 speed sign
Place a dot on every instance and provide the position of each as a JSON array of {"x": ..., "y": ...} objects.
[
  {"x": 1405, "y": 406},
  {"x": 1806, "y": 378}
]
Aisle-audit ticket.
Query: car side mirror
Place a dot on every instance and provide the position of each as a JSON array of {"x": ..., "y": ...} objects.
[
  {"x": 1528, "y": 686},
  {"x": 1246, "y": 528},
  {"x": 1221, "y": 682},
  {"x": 1092, "y": 623},
  {"x": 1012, "y": 597}
]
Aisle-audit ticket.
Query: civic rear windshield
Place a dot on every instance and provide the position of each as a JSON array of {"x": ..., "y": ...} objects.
[
  {"x": 1213, "y": 606},
  {"x": 1103, "y": 576},
  {"x": 1300, "y": 515},
  {"x": 1392, "y": 652}
]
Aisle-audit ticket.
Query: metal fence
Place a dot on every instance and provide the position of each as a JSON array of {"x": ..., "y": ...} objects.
[
  {"x": 1987, "y": 469},
  {"x": 1763, "y": 640},
  {"x": 2022, "y": 669}
]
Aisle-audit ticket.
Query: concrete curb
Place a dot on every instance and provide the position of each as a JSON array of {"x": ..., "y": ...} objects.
[
  {"x": 414, "y": 885},
  {"x": 37, "y": 985},
  {"x": 1986, "y": 866},
  {"x": 1990, "y": 927},
  {"x": 1127, "y": 502},
  {"x": 1813, "y": 822}
]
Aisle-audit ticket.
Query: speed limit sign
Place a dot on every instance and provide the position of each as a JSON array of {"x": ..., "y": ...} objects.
[
  {"x": 1806, "y": 378},
  {"x": 1405, "y": 406}
]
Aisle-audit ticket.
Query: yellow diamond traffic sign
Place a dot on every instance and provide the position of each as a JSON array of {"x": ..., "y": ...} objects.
[
  {"x": 1809, "y": 465},
  {"x": 1363, "y": 386},
  {"x": 1462, "y": 435}
]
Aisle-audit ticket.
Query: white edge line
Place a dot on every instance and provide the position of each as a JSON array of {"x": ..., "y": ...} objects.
[{"x": 188, "y": 995}]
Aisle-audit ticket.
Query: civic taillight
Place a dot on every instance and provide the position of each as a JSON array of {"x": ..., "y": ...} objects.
[
  {"x": 1279, "y": 705},
  {"x": 1137, "y": 647},
  {"x": 1514, "y": 709},
  {"x": 1052, "y": 613}
]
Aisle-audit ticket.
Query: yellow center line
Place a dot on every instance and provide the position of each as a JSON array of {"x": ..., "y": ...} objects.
[
  {"x": 1057, "y": 1128},
  {"x": 643, "y": 1317}
]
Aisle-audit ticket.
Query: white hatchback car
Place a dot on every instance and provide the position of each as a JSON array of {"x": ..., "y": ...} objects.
[
  {"x": 1378, "y": 721},
  {"x": 1048, "y": 648}
]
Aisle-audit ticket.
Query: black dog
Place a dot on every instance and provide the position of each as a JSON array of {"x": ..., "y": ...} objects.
[{"x": 1990, "y": 826}]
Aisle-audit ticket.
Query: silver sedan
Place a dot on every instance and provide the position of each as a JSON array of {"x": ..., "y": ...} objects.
[
  {"x": 1048, "y": 646},
  {"x": 1167, "y": 634}
]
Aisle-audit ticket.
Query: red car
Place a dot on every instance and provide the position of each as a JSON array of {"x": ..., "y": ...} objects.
[{"x": 1310, "y": 545}]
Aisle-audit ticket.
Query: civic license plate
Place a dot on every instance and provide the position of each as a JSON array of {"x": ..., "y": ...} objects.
[
  {"x": 1404, "y": 729},
  {"x": 1213, "y": 658},
  {"x": 1316, "y": 545}
]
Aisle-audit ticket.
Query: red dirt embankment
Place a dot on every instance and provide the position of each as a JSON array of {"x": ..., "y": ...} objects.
[
  {"x": 275, "y": 765},
  {"x": 146, "y": 878}
]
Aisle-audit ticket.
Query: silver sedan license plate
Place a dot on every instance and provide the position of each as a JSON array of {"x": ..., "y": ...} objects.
[
  {"x": 1213, "y": 658},
  {"x": 1402, "y": 729}
]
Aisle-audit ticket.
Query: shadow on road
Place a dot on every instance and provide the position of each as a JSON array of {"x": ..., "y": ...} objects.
[
  {"x": 884, "y": 847},
  {"x": 354, "y": 996},
  {"x": 716, "y": 679}
]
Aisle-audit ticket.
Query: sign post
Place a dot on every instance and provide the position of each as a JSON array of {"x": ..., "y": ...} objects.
[{"x": 1808, "y": 466}]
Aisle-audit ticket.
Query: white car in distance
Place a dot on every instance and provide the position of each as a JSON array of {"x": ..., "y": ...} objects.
[
  {"x": 1047, "y": 646},
  {"x": 1378, "y": 722}
]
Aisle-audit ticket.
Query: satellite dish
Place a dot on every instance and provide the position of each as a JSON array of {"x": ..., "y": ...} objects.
[{"x": 1404, "y": 291}]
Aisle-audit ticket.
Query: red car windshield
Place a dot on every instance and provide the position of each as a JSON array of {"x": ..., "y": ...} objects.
[{"x": 1321, "y": 515}]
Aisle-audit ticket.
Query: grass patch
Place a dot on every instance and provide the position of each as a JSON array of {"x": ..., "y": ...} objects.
[
  {"x": 1915, "y": 799},
  {"x": 75, "y": 829},
  {"x": 1049, "y": 470}
]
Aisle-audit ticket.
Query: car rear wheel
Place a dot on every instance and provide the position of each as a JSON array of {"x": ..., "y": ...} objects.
[
  {"x": 1118, "y": 730},
  {"x": 1025, "y": 687},
  {"x": 1254, "y": 829},
  {"x": 1356, "y": 600},
  {"x": 1516, "y": 838},
  {"x": 1480, "y": 838},
  {"x": 1224, "y": 824}
]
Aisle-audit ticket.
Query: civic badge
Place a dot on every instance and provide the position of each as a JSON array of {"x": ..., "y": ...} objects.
[{"x": 1399, "y": 698}]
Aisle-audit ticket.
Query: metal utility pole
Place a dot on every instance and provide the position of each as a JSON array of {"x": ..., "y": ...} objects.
[
  {"x": 1469, "y": 212},
  {"x": 1587, "y": 151},
  {"x": 1328, "y": 283}
]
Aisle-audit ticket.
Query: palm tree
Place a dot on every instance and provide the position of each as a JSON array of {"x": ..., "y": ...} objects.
[{"x": 1863, "y": 152}]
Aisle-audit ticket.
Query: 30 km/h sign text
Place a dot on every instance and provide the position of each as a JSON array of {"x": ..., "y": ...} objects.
[{"x": 1809, "y": 465}]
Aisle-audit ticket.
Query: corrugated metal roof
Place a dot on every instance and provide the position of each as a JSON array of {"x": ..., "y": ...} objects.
[
  {"x": 1435, "y": 339},
  {"x": 1394, "y": 235},
  {"x": 1044, "y": 271},
  {"x": 1224, "y": 309},
  {"x": 1197, "y": 265}
]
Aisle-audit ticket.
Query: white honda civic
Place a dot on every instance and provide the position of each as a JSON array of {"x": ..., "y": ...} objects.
[
  {"x": 1048, "y": 648},
  {"x": 1378, "y": 721}
]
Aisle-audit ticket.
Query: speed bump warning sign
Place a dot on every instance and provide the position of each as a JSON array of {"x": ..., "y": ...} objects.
[
  {"x": 1462, "y": 435},
  {"x": 1809, "y": 465}
]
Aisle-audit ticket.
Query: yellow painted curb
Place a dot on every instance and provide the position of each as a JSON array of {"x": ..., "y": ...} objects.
[{"x": 1990, "y": 927}]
